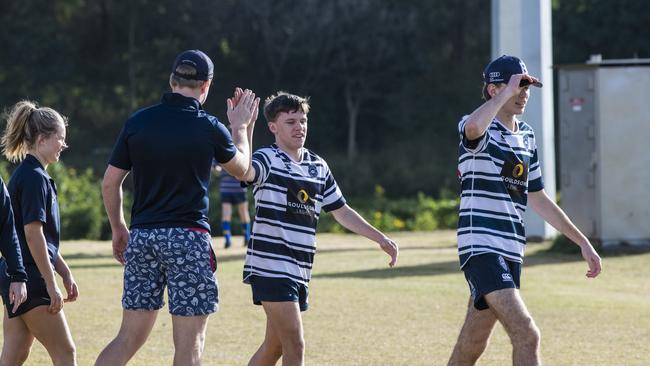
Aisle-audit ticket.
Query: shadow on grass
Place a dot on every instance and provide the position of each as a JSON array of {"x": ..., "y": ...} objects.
[
  {"x": 542, "y": 257},
  {"x": 82, "y": 255},
  {"x": 441, "y": 268},
  {"x": 240, "y": 256},
  {"x": 91, "y": 265}
]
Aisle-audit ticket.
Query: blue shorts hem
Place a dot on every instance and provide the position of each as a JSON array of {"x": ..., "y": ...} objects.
[
  {"x": 272, "y": 289},
  {"x": 490, "y": 272}
]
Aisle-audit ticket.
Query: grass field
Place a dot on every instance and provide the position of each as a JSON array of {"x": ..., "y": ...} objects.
[{"x": 364, "y": 313}]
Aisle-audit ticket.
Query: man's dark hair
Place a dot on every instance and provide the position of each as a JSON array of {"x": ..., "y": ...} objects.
[{"x": 284, "y": 102}]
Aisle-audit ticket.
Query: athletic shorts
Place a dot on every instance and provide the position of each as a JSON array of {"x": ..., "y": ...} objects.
[
  {"x": 274, "y": 289},
  {"x": 233, "y": 198},
  {"x": 489, "y": 272},
  {"x": 36, "y": 290},
  {"x": 178, "y": 258}
]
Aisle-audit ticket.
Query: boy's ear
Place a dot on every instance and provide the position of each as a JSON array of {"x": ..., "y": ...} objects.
[
  {"x": 205, "y": 86},
  {"x": 272, "y": 127}
]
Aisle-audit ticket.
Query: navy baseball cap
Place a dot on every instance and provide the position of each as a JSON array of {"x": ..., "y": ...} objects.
[
  {"x": 501, "y": 69},
  {"x": 198, "y": 60}
]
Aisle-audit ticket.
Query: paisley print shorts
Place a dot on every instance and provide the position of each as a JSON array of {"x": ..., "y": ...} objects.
[{"x": 178, "y": 258}]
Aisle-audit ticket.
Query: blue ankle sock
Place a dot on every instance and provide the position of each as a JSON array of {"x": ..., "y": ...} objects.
[
  {"x": 246, "y": 229},
  {"x": 225, "y": 229}
]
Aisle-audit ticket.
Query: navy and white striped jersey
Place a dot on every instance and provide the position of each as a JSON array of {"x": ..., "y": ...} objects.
[
  {"x": 496, "y": 172},
  {"x": 230, "y": 184},
  {"x": 289, "y": 196}
]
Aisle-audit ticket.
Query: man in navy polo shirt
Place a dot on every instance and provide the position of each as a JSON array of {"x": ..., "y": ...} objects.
[{"x": 169, "y": 147}]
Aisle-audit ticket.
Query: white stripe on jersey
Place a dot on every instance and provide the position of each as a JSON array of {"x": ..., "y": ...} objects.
[
  {"x": 289, "y": 196},
  {"x": 486, "y": 205}
]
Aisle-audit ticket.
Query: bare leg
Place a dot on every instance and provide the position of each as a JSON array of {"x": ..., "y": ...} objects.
[
  {"x": 17, "y": 341},
  {"x": 244, "y": 216},
  {"x": 53, "y": 332},
  {"x": 474, "y": 336},
  {"x": 520, "y": 326},
  {"x": 134, "y": 331},
  {"x": 270, "y": 351},
  {"x": 284, "y": 325},
  {"x": 189, "y": 338},
  {"x": 226, "y": 223},
  {"x": 226, "y": 212}
]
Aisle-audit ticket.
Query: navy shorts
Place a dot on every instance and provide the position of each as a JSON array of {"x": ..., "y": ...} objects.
[
  {"x": 233, "y": 198},
  {"x": 36, "y": 290},
  {"x": 178, "y": 258},
  {"x": 279, "y": 289},
  {"x": 489, "y": 272}
]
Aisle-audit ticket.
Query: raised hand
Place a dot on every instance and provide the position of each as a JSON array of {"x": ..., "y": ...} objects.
[
  {"x": 242, "y": 108},
  {"x": 515, "y": 83}
]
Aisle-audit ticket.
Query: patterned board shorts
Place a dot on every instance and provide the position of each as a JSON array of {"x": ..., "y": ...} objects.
[{"x": 178, "y": 258}]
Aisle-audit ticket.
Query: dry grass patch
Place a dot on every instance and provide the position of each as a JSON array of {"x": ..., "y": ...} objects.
[{"x": 364, "y": 313}]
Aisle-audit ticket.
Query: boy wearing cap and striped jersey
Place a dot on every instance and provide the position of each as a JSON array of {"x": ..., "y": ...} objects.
[
  {"x": 291, "y": 185},
  {"x": 500, "y": 174}
]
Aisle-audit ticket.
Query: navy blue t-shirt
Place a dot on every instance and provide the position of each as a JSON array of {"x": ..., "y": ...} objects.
[
  {"x": 33, "y": 198},
  {"x": 9, "y": 245},
  {"x": 169, "y": 147}
]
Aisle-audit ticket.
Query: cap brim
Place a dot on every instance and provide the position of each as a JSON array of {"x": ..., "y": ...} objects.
[{"x": 526, "y": 82}]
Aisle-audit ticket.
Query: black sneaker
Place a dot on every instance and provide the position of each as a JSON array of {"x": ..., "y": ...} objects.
[{"x": 227, "y": 245}]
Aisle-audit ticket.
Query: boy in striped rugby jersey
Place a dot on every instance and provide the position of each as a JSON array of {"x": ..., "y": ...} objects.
[
  {"x": 500, "y": 173},
  {"x": 291, "y": 185}
]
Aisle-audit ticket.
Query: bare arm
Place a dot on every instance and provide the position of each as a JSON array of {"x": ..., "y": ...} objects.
[
  {"x": 553, "y": 214},
  {"x": 38, "y": 248},
  {"x": 112, "y": 194},
  {"x": 243, "y": 109},
  {"x": 61, "y": 267},
  {"x": 352, "y": 221}
]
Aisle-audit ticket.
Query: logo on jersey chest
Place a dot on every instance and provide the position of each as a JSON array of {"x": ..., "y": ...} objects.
[
  {"x": 313, "y": 172},
  {"x": 301, "y": 204},
  {"x": 514, "y": 175}
]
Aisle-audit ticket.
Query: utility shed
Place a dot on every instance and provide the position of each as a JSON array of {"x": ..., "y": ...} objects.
[{"x": 604, "y": 148}]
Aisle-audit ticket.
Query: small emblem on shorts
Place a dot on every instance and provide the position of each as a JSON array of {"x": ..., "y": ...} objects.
[
  {"x": 312, "y": 171},
  {"x": 506, "y": 277},
  {"x": 472, "y": 289},
  {"x": 503, "y": 264}
]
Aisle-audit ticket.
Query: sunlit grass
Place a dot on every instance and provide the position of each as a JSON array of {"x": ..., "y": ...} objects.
[{"x": 364, "y": 313}]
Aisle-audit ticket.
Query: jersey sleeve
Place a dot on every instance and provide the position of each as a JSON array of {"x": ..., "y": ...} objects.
[
  {"x": 33, "y": 199},
  {"x": 472, "y": 146},
  {"x": 262, "y": 167},
  {"x": 120, "y": 156},
  {"x": 535, "y": 181},
  {"x": 332, "y": 196}
]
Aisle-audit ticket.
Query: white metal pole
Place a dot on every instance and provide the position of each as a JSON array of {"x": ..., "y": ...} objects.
[{"x": 523, "y": 29}]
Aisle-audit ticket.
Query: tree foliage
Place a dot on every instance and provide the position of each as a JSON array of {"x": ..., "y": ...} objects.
[{"x": 388, "y": 79}]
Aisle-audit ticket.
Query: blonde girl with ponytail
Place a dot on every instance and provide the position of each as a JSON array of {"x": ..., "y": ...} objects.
[{"x": 35, "y": 138}]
